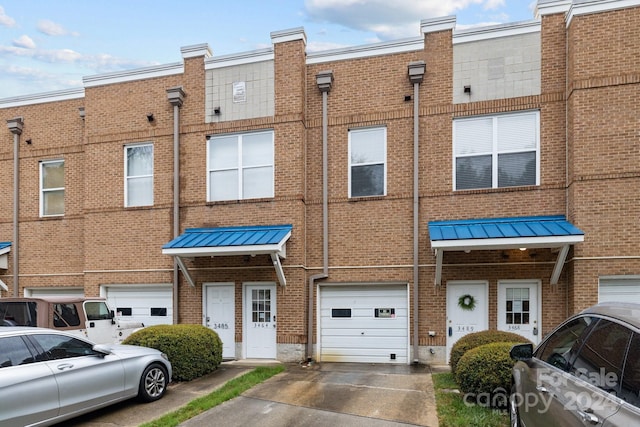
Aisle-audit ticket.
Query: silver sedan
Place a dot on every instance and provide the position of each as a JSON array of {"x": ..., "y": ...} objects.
[{"x": 48, "y": 376}]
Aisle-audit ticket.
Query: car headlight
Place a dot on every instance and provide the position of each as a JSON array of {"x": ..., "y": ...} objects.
[{"x": 164, "y": 356}]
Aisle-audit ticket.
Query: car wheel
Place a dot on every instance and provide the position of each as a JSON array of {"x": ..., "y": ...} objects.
[
  {"x": 153, "y": 383},
  {"x": 514, "y": 411}
]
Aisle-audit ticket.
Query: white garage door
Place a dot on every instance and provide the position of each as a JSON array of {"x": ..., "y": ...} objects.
[
  {"x": 151, "y": 305},
  {"x": 626, "y": 289},
  {"x": 53, "y": 292},
  {"x": 367, "y": 324}
]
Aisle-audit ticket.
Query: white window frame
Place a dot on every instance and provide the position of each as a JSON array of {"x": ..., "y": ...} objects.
[
  {"x": 384, "y": 162},
  {"x": 128, "y": 177},
  {"x": 495, "y": 152},
  {"x": 47, "y": 190},
  {"x": 240, "y": 167}
]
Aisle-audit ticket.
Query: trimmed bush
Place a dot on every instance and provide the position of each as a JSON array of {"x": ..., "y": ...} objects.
[
  {"x": 193, "y": 350},
  {"x": 484, "y": 374},
  {"x": 476, "y": 339}
]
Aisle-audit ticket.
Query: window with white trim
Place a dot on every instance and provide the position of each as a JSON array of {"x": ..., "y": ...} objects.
[
  {"x": 240, "y": 166},
  {"x": 52, "y": 188},
  {"x": 138, "y": 176},
  {"x": 368, "y": 162},
  {"x": 497, "y": 151}
]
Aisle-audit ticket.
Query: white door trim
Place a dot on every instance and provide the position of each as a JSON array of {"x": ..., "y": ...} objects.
[
  {"x": 538, "y": 307},
  {"x": 246, "y": 310}
]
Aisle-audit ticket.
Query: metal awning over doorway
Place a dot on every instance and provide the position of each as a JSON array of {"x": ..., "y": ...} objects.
[
  {"x": 227, "y": 241},
  {"x": 504, "y": 233}
]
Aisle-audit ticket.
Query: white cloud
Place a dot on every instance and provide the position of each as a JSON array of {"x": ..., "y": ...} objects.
[
  {"x": 24, "y": 41},
  {"x": 6, "y": 20},
  {"x": 51, "y": 28},
  {"x": 388, "y": 19}
]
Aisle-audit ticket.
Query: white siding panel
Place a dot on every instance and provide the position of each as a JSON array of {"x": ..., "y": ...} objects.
[{"x": 363, "y": 337}]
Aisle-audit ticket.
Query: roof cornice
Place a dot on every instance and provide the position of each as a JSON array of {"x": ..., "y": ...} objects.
[{"x": 41, "y": 98}]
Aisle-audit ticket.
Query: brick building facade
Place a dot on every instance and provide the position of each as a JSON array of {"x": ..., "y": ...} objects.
[{"x": 290, "y": 220}]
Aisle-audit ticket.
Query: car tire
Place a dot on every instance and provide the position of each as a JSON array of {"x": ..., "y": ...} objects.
[
  {"x": 153, "y": 383},
  {"x": 514, "y": 411}
]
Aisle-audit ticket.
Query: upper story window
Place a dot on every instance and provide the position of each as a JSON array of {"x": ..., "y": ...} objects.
[
  {"x": 138, "y": 188},
  {"x": 368, "y": 162},
  {"x": 52, "y": 188},
  {"x": 240, "y": 166},
  {"x": 497, "y": 151}
]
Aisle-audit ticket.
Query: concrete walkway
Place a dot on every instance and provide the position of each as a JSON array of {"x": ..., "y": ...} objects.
[
  {"x": 332, "y": 394},
  {"x": 329, "y": 394}
]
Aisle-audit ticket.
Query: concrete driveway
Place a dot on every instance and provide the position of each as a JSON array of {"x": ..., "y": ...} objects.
[{"x": 332, "y": 394}]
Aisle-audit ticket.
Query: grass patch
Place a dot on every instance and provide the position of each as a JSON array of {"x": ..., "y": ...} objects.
[
  {"x": 453, "y": 412},
  {"x": 231, "y": 389}
]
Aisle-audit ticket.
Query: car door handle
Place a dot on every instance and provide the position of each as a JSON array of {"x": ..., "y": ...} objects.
[
  {"x": 588, "y": 416},
  {"x": 543, "y": 389},
  {"x": 64, "y": 366}
]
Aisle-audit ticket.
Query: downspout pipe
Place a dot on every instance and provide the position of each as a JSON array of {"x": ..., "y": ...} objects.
[
  {"x": 15, "y": 127},
  {"x": 175, "y": 96},
  {"x": 416, "y": 75},
  {"x": 324, "y": 80}
]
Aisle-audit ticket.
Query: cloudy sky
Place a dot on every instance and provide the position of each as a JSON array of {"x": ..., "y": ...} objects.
[{"x": 48, "y": 45}]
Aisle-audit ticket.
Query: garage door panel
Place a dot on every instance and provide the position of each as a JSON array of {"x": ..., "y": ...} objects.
[
  {"x": 625, "y": 289},
  {"x": 364, "y": 324},
  {"x": 353, "y": 324},
  {"x": 386, "y": 332},
  {"x": 149, "y": 305},
  {"x": 365, "y": 342}
]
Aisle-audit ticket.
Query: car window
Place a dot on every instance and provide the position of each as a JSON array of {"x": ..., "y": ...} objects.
[
  {"x": 557, "y": 349},
  {"x": 65, "y": 315},
  {"x": 601, "y": 358},
  {"x": 96, "y": 310},
  {"x": 14, "y": 352},
  {"x": 62, "y": 347},
  {"x": 630, "y": 390}
]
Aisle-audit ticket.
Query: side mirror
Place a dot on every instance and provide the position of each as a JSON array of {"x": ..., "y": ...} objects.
[
  {"x": 112, "y": 317},
  {"x": 521, "y": 352},
  {"x": 101, "y": 350}
]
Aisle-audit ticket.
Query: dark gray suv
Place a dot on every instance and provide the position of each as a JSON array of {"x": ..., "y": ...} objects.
[{"x": 584, "y": 373}]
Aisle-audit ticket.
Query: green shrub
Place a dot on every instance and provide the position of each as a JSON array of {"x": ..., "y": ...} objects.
[
  {"x": 484, "y": 374},
  {"x": 193, "y": 350},
  {"x": 476, "y": 339}
]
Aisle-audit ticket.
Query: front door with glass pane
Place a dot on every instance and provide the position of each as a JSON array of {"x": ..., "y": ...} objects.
[
  {"x": 260, "y": 321},
  {"x": 518, "y": 308}
]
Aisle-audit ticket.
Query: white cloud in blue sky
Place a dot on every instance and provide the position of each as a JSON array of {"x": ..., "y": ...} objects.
[{"x": 49, "y": 45}]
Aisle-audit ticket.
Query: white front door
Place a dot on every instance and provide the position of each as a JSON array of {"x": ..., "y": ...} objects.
[
  {"x": 467, "y": 310},
  {"x": 518, "y": 308},
  {"x": 219, "y": 314},
  {"x": 260, "y": 321}
]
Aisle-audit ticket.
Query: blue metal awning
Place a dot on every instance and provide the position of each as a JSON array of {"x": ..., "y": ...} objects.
[
  {"x": 504, "y": 233},
  {"x": 226, "y": 241},
  {"x": 5, "y": 248}
]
